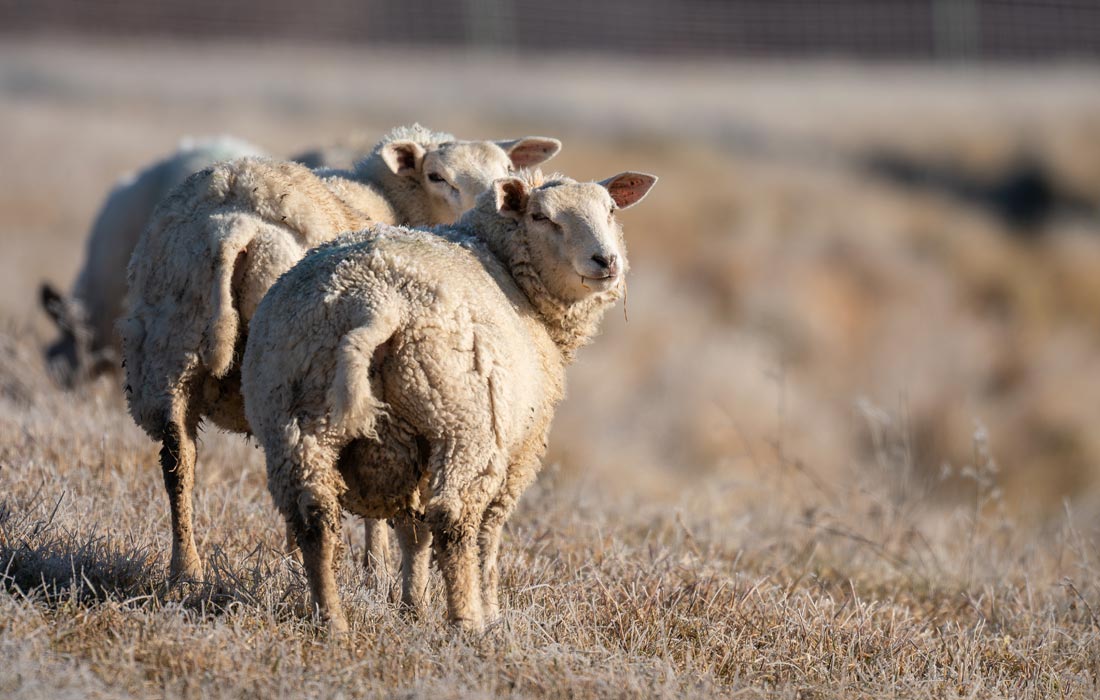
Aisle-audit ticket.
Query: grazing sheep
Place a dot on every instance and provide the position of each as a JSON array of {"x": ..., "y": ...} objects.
[
  {"x": 413, "y": 375},
  {"x": 218, "y": 242},
  {"x": 88, "y": 344}
]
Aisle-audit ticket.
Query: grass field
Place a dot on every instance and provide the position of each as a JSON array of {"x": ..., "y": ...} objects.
[{"x": 841, "y": 443}]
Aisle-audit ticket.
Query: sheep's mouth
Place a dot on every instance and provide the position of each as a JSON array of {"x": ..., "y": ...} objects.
[{"x": 600, "y": 282}]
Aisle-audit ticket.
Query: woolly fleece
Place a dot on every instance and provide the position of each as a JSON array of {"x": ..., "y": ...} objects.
[
  {"x": 218, "y": 242},
  {"x": 412, "y": 374}
]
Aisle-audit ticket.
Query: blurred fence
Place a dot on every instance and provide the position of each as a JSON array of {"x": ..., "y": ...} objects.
[{"x": 904, "y": 29}]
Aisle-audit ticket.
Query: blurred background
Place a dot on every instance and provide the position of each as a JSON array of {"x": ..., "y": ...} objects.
[{"x": 874, "y": 251}]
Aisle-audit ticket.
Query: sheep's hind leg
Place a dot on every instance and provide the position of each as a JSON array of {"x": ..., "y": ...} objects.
[
  {"x": 317, "y": 530},
  {"x": 455, "y": 517},
  {"x": 492, "y": 527},
  {"x": 415, "y": 539},
  {"x": 489, "y": 543},
  {"x": 291, "y": 546},
  {"x": 298, "y": 479},
  {"x": 456, "y": 546},
  {"x": 177, "y": 460}
]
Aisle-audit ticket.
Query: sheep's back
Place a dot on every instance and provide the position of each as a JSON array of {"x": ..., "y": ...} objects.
[{"x": 469, "y": 352}]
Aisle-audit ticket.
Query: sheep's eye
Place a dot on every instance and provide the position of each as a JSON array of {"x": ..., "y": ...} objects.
[
  {"x": 539, "y": 217},
  {"x": 436, "y": 177}
]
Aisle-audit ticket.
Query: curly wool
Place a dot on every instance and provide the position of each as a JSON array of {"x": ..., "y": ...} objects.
[
  {"x": 253, "y": 219},
  {"x": 420, "y": 134},
  {"x": 100, "y": 288},
  {"x": 396, "y": 371},
  {"x": 218, "y": 243}
]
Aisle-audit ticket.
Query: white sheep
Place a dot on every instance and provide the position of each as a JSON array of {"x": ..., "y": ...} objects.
[
  {"x": 413, "y": 375},
  {"x": 88, "y": 344},
  {"x": 218, "y": 242}
]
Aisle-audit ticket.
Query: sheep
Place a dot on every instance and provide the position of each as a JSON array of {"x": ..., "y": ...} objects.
[
  {"x": 413, "y": 375},
  {"x": 218, "y": 242},
  {"x": 88, "y": 345},
  {"x": 86, "y": 319}
]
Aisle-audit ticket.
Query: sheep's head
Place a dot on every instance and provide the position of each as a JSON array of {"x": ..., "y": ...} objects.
[
  {"x": 575, "y": 241},
  {"x": 71, "y": 359},
  {"x": 453, "y": 173}
]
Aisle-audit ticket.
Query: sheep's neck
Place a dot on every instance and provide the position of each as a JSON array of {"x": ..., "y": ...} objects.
[{"x": 402, "y": 193}]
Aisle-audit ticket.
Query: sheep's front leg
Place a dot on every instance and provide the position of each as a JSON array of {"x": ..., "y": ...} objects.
[
  {"x": 177, "y": 461},
  {"x": 415, "y": 539},
  {"x": 376, "y": 553}
]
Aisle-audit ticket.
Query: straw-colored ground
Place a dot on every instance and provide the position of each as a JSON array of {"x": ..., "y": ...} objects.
[{"x": 845, "y": 446}]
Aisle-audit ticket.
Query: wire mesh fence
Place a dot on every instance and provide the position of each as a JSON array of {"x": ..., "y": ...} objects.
[{"x": 901, "y": 29}]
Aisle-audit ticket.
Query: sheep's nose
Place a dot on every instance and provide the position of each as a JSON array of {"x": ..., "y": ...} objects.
[{"x": 606, "y": 262}]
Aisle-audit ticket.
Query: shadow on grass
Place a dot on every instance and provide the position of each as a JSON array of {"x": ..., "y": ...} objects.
[{"x": 51, "y": 565}]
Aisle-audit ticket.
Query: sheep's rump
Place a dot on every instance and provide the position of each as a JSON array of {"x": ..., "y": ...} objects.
[
  {"x": 100, "y": 287},
  {"x": 212, "y": 249},
  {"x": 381, "y": 343}
]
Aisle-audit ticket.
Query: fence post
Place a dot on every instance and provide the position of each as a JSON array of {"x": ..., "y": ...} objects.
[{"x": 956, "y": 31}]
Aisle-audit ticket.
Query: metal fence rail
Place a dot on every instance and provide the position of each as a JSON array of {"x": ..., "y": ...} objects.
[{"x": 908, "y": 29}]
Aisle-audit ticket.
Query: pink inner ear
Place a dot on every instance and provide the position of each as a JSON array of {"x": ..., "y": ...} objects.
[
  {"x": 401, "y": 158},
  {"x": 531, "y": 153},
  {"x": 406, "y": 159},
  {"x": 511, "y": 197},
  {"x": 512, "y": 200},
  {"x": 627, "y": 190}
]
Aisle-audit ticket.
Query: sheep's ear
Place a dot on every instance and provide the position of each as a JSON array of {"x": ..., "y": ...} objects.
[
  {"x": 404, "y": 158},
  {"x": 511, "y": 197},
  {"x": 629, "y": 188},
  {"x": 529, "y": 151},
  {"x": 56, "y": 305}
]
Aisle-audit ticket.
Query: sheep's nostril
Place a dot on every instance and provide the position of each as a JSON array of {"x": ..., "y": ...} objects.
[{"x": 606, "y": 262}]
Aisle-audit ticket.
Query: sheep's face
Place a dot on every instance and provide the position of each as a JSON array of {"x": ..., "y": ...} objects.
[
  {"x": 575, "y": 240},
  {"x": 452, "y": 175}
]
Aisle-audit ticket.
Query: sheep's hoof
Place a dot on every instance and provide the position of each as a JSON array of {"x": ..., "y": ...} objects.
[
  {"x": 189, "y": 572},
  {"x": 468, "y": 625},
  {"x": 336, "y": 626},
  {"x": 492, "y": 615},
  {"x": 413, "y": 611},
  {"x": 375, "y": 570}
]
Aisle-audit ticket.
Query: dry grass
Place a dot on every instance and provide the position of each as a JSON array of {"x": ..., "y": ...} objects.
[
  {"x": 771, "y": 585},
  {"x": 844, "y": 447}
]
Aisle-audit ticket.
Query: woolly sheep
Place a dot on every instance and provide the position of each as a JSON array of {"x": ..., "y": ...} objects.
[
  {"x": 218, "y": 242},
  {"x": 413, "y": 375},
  {"x": 88, "y": 344}
]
